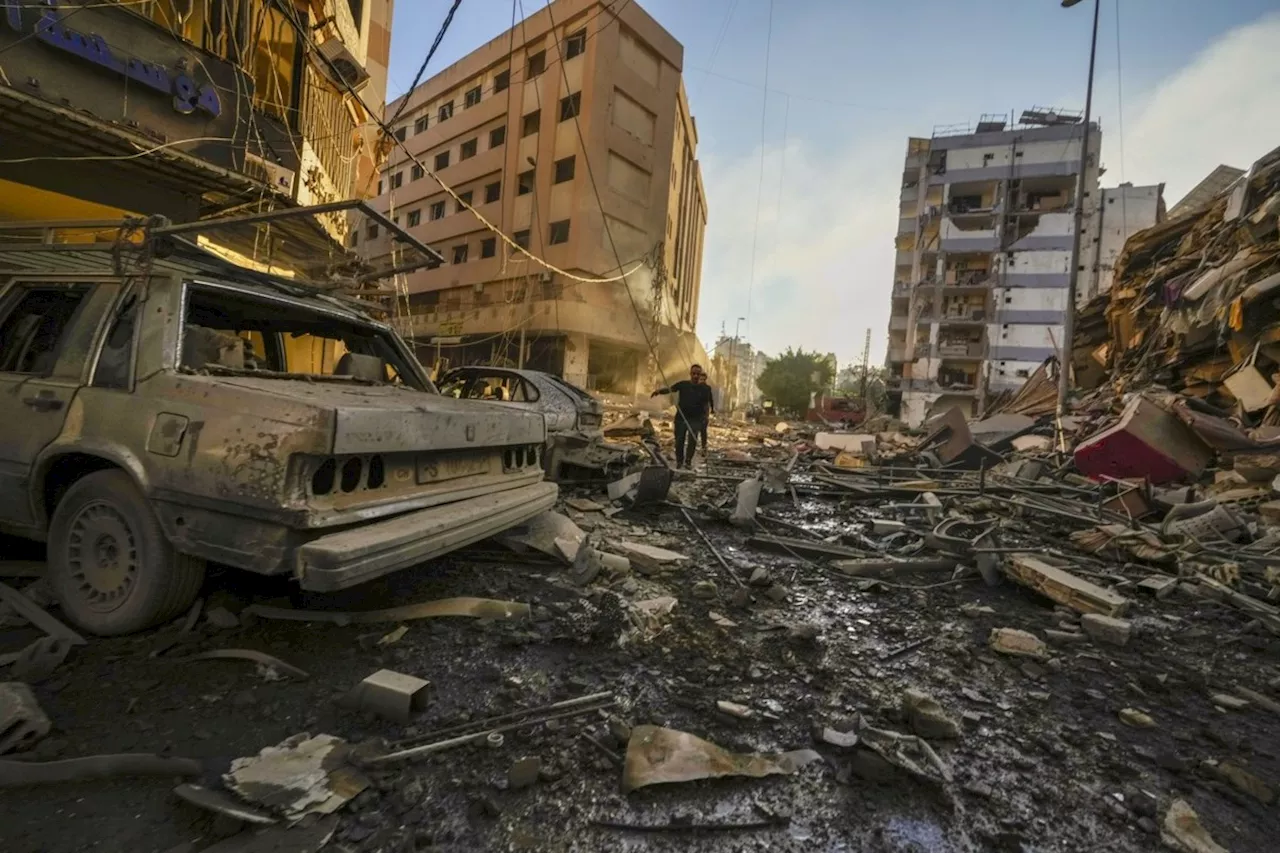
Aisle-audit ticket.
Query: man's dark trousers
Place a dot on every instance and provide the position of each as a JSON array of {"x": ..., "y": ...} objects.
[{"x": 687, "y": 432}]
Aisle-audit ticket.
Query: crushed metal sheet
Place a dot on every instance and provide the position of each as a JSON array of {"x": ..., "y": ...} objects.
[
  {"x": 657, "y": 755},
  {"x": 222, "y": 803},
  {"x": 302, "y": 775},
  {"x": 262, "y": 658},
  {"x": 37, "y": 615},
  {"x": 476, "y": 608}
]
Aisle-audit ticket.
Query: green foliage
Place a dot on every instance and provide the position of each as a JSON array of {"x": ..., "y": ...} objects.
[
  {"x": 790, "y": 379},
  {"x": 849, "y": 384}
]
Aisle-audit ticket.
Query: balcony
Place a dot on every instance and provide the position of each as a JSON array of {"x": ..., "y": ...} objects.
[
  {"x": 966, "y": 351},
  {"x": 898, "y": 323},
  {"x": 969, "y": 279},
  {"x": 901, "y": 288},
  {"x": 897, "y": 354},
  {"x": 907, "y": 225},
  {"x": 904, "y": 257},
  {"x": 960, "y": 317}
]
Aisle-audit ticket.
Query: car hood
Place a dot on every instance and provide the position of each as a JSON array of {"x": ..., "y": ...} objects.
[{"x": 386, "y": 418}]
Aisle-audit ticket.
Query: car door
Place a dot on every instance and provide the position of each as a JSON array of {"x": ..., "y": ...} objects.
[{"x": 46, "y": 334}]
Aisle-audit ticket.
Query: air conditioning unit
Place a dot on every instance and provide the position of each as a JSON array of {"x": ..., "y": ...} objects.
[
  {"x": 274, "y": 175},
  {"x": 342, "y": 61}
]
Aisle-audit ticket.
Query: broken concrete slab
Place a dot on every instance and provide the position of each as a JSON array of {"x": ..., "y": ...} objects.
[
  {"x": 926, "y": 716},
  {"x": 1183, "y": 832},
  {"x": 1012, "y": 641},
  {"x": 1104, "y": 629},
  {"x": 649, "y": 559},
  {"x": 657, "y": 755},
  {"x": 389, "y": 694},
  {"x": 857, "y": 443},
  {"x": 302, "y": 775},
  {"x": 1063, "y": 587},
  {"x": 584, "y": 505},
  {"x": 22, "y": 721}
]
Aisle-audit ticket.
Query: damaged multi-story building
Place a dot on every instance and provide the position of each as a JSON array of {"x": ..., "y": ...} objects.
[
  {"x": 571, "y": 134},
  {"x": 190, "y": 108},
  {"x": 983, "y": 257},
  {"x": 983, "y": 262}
]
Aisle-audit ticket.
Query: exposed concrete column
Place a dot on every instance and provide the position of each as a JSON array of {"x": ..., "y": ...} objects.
[{"x": 577, "y": 350}]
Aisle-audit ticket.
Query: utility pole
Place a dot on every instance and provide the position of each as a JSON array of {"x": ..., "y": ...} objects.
[{"x": 866, "y": 370}]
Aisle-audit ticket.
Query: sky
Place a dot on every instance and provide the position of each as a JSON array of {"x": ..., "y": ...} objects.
[{"x": 802, "y": 178}]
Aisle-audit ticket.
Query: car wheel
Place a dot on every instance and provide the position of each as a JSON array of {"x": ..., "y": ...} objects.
[{"x": 110, "y": 565}]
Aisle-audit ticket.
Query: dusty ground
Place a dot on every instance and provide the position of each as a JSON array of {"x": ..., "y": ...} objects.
[{"x": 1043, "y": 764}]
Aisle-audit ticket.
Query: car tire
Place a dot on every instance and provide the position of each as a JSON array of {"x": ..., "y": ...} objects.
[{"x": 111, "y": 568}]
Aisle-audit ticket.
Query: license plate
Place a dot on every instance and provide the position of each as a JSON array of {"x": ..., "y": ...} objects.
[{"x": 437, "y": 467}]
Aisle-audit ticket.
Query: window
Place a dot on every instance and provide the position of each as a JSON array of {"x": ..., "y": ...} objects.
[
  {"x": 354, "y": 239},
  {"x": 116, "y": 357},
  {"x": 437, "y": 210},
  {"x": 501, "y": 80},
  {"x": 416, "y": 172},
  {"x": 521, "y": 238},
  {"x": 420, "y": 125},
  {"x": 529, "y": 124},
  {"x": 415, "y": 218},
  {"x": 492, "y": 192},
  {"x": 466, "y": 199},
  {"x": 400, "y": 133},
  {"x": 473, "y": 96},
  {"x": 371, "y": 230},
  {"x": 559, "y": 232},
  {"x": 488, "y": 247},
  {"x": 276, "y": 54},
  {"x": 497, "y": 136},
  {"x": 31, "y": 336},
  {"x": 564, "y": 170},
  {"x": 524, "y": 183},
  {"x": 379, "y": 186},
  {"x": 445, "y": 112},
  {"x": 575, "y": 44},
  {"x": 396, "y": 180},
  {"x": 570, "y": 106},
  {"x": 468, "y": 149},
  {"x": 442, "y": 160},
  {"x": 537, "y": 64},
  {"x": 460, "y": 254}
]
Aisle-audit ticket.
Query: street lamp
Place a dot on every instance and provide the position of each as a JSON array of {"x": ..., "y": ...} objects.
[{"x": 1073, "y": 277}]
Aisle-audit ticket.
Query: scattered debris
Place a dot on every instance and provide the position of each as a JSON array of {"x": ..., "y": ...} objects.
[
  {"x": 1137, "y": 719},
  {"x": 389, "y": 694},
  {"x": 1182, "y": 831},
  {"x": 1011, "y": 641},
  {"x": 222, "y": 803},
  {"x": 22, "y": 721},
  {"x": 270, "y": 662},
  {"x": 649, "y": 559},
  {"x": 37, "y": 615},
  {"x": 657, "y": 755},
  {"x": 1063, "y": 587},
  {"x": 301, "y": 775},
  {"x": 1104, "y": 629},
  {"x": 523, "y": 773},
  {"x": 1229, "y": 702},
  {"x": 927, "y": 718}
]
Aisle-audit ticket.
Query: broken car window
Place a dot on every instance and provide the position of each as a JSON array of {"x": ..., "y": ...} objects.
[
  {"x": 116, "y": 358},
  {"x": 228, "y": 331},
  {"x": 33, "y": 331}
]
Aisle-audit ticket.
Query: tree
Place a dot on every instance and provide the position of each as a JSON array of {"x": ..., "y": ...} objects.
[
  {"x": 849, "y": 384},
  {"x": 792, "y": 378}
]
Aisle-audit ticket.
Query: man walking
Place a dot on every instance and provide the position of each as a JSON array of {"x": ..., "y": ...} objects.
[
  {"x": 693, "y": 406},
  {"x": 711, "y": 407}
]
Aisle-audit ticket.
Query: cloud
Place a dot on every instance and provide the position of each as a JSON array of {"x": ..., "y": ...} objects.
[
  {"x": 1219, "y": 108},
  {"x": 824, "y": 252}
]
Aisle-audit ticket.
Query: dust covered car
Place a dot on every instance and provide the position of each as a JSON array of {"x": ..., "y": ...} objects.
[
  {"x": 576, "y": 446},
  {"x": 184, "y": 410}
]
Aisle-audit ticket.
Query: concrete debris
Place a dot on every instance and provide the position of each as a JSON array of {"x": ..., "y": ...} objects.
[
  {"x": 927, "y": 718},
  {"x": 759, "y": 577},
  {"x": 748, "y": 498},
  {"x": 392, "y": 637},
  {"x": 1135, "y": 718},
  {"x": 1104, "y": 629},
  {"x": 733, "y": 709},
  {"x": 1229, "y": 702},
  {"x": 704, "y": 589},
  {"x": 657, "y": 755},
  {"x": 721, "y": 620},
  {"x": 1063, "y": 587},
  {"x": 221, "y": 618},
  {"x": 1183, "y": 832},
  {"x": 302, "y": 775},
  {"x": 906, "y": 752},
  {"x": 22, "y": 721},
  {"x": 584, "y": 505},
  {"x": 857, "y": 444},
  {"x": 835, "y": 737},
  {"x": 648, "y": 559},
  {"x": 1247, "y": 782},
  {"x": 391, "y": 695},
  {"x": 1011, "y": 641}
]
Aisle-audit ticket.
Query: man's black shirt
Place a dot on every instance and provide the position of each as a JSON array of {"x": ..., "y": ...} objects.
[{"x": 695, "y": 399}]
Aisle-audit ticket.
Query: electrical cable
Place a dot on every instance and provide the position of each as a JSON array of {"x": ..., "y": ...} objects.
[
  {"x": 764, "y": 126},
  {"x": 417, "y": 78}
]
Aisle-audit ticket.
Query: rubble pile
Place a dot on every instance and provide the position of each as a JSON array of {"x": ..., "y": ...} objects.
[{"x": 1194, "y": 305}]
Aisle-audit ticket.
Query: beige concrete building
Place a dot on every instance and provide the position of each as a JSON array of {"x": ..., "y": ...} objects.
[{"x": 572, "y": 134}]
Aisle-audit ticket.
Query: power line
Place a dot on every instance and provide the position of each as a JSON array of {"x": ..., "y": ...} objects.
[
  {"x": 417, "y": 78},
  {"x": 764, "y": 126},
  {"x": 793, "y": 95}
]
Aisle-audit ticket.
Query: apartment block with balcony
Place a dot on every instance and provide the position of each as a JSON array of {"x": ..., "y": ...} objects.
[
  {"x": 572, "y": 135},
  {"x": 235, "y": 105},
  {"x": 984, "y": 245}
]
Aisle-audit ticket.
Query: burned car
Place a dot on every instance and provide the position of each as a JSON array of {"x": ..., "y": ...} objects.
[
  {"x": 576, "y": 447},
  {"x": 185, "y": 410}
]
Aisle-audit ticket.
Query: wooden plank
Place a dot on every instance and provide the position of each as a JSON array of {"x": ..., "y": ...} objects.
[{"x": 1064, "y": 587}]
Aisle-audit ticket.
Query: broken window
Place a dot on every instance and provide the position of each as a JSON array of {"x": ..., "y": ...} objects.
[
  {"x": 228, "y": 331},
  {"x": 460, "y": 254},
  {"x": 473, "y": 96},
  {"x": 442, "y": 160},
  {"x": 570, "y": 106},
  {"x": 468, "y": 149},
  {"x": 521, "y": 238},
  {"x": 34, "y": 330},
  {"x": 537, "y": 64},
  {"x": 497, "y": 136},
  {"x": 437, "y": 210},
  {"x": 492, "y": 192},
  {"x": 420, "y": 125},
  {"x": 416, "y": 172},
  {"x": 397, "y": 180},
  {"x": 488, "y": 247},
  {"x": 115, "y": 360},
  {"x": 524, "y": 182},
  {"x": 400, "y": 133},
  {"x": 501, "y": 80},
  {"x": 415, "y": 218},
  {"x": 530, "y": 123},
  {"x": 564, "y": 170},
  {"x": 559, "y": 232},
  {"x": 575, "y": 44},
  {"x": 446, "y": 112}
]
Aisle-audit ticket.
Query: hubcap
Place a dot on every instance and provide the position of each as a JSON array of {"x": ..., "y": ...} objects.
[{"x": 103, "y": 557}]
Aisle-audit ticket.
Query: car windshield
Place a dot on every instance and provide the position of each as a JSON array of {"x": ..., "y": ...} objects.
[{"x": 229, "y": 331}]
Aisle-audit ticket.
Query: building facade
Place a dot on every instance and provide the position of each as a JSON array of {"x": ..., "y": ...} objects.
[
  {"x": 571, "y": 134},
  {"x": 189, "y": 108},
  {"x": 737, "y": 367},
  {"x": 983, "y": 257},
  {"x": 1124, "y": 211}
]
